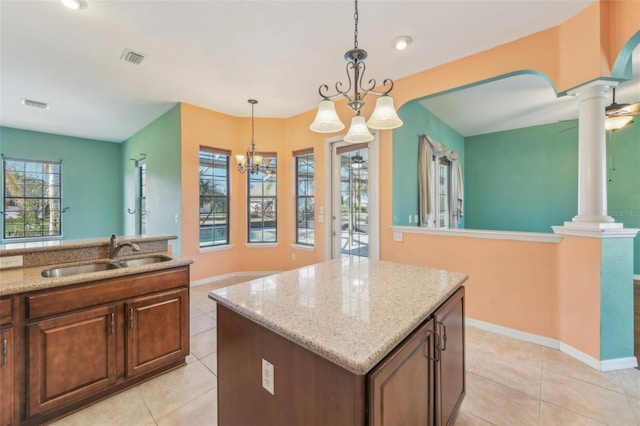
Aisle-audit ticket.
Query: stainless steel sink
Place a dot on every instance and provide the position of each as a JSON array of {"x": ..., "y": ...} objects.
[
  {"x": 143, "y": 261},
  {"x": 66, "y": 271}
]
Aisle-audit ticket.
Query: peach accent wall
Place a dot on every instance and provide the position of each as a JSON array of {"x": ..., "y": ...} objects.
[
  {"x": 620, "y": 26},
  {"x": 511, "y": 283},
  {"x": 578, "y": 283}
]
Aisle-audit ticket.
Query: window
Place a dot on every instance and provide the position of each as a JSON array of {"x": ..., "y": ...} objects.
[
  {"x": 444, "y": 189},
  {"x": 214, "y": 197},
  {"x": 262, "y": 208},
  {"x": 305, "y": 190},
  {"x": 32, "y": 199}
]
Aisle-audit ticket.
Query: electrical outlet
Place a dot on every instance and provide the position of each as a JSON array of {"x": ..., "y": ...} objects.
[
  {"x": 10, "y": 262},
  {"x": 397, "y": 236},
  {"x": 293, "y": 256},
  {"x": 267, "y": 376}
]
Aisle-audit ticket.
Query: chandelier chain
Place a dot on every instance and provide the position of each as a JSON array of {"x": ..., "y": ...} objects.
[{"x": 355, "y": 32}]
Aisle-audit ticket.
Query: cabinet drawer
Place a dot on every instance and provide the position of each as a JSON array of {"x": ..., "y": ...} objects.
[
  {"x": 68, "y": 299},
  {"x": 6, "y": 311}
]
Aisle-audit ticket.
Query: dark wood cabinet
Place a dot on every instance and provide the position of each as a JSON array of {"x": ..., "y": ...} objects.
[
  {"x": 450, "y": 368},
  {"x": 157, "y": 330},
  {"x": 6, "y": 376},
  {"x": 87, "y": 341},
  {"x": 7, "y": 362},
  {"x": 401, "y": 388},
  {"x": 420, "y": 382},
  {"x": 71, "y": 357}
]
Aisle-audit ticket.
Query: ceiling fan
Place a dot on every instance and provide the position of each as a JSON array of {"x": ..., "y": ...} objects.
[{"x": 620, "y": 115}]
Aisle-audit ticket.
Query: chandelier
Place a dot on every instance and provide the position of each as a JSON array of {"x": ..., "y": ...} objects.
[
  {"x": 251, "y": 162},
  {"x": 384, "y": 115}
]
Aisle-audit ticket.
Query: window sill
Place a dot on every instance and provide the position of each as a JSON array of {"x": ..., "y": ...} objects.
[
  {"x": 261, "y": 245},
  {"x": 303, "y": 247},
  {"x": 212, "y": 249}
]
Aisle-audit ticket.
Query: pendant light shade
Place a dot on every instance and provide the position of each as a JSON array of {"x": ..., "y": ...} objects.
[
  {"x": 358, "y": 132},
  {"x": 327, "y": 120},
  {"x": 384, "y": 115},
  {"x": 617, "y": 122}
]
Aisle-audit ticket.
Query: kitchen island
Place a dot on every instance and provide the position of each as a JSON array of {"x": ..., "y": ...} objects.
[{"x": 350, "y": 341}]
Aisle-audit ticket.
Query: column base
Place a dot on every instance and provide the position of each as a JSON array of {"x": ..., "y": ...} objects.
[{"x": 595, "y": 229}]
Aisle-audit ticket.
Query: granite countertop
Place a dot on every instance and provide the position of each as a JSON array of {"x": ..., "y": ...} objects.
[
  {"x": 352, "y": 311},
  {"x": 23, "y": 280}
]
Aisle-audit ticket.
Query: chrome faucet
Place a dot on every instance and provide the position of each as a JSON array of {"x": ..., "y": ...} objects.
[{"x": 115, "y": 247}]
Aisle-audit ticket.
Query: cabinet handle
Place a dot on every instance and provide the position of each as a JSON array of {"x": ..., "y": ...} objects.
[
  {"x": 130, "y": 317},
  {"x": 113, "y": 322},
  {"x": 444, "y": 337},
  {"x": 5, "y": 351},
  {"x": 436, "y": 358}
]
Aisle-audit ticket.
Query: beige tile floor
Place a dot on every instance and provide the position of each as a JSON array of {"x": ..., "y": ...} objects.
[{"x": 509, "y": 382}]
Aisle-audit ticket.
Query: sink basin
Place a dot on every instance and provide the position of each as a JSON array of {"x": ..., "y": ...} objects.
[
  {"x": 65, "y": 271},
  {"x": 79, "y": 269},
  {"x": 143, "y": 261}
]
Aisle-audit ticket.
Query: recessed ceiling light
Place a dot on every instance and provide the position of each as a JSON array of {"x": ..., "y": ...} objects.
[
  {"x": 402, "y": 42},
  {"x": 35, "y": 104},
  {"x": 74, "y": 4}
]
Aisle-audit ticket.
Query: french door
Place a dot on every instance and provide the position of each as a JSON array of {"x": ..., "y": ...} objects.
[{"x": 354, "y": 200}]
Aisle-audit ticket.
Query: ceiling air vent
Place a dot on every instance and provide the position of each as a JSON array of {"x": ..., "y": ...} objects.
[
  {"x": 35, "y": 104},
  {"x": 132, "y": 57}
]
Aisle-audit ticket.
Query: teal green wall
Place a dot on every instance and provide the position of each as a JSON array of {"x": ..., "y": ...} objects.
[
  {"x": 160, "y": 141},
  {"x": 91, "y": 178},
  {"x": 522, "y": 180},
  {"x": 616, "y": 305},
  {"x": 624, "y": 185},
  {"x": 417, "y": 121}
]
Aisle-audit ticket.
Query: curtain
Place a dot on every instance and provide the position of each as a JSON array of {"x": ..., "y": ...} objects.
[{"x": 429, "y": 153}]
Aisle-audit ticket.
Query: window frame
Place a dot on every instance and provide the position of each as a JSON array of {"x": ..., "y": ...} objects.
[
  {"x": 442, "y": 209},
  {"x": 299, "y": 155},
  {"x": 270, "y": 159},
  {"x": 5, "y": 195},
  {"x": 227, "y": 197}
]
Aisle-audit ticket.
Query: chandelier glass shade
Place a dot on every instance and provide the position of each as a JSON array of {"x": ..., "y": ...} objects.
[
  {"x": 384, "y": 115},
  {"x": 251, "y": 162}
]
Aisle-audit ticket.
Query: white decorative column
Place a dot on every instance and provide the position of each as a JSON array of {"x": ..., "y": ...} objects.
[
  {"x": 592, "y": 158},
  {"x": 614, "y": 295}
]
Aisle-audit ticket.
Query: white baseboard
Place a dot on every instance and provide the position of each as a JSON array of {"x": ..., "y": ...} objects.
[
  {"x": 216, "y": 278},
  {"x": 516, "y": 334},
  {"x": 618, "y": 364},
  {"x": 606, "y": 365}
]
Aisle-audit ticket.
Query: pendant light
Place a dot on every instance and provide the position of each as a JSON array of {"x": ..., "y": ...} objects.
[{"x": 384, "y": 115}]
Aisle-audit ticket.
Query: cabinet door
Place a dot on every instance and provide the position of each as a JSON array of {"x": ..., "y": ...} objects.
[
  {"x": 6, "y": 376},
  {"x": 71, "y": 357},
  {"x": 450, "y": 371},
  {"x": 157, "y": 331},
  {"x": 401, "y": 387}
]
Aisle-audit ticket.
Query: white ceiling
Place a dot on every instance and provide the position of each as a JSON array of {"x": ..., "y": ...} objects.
[{"x": 217, "y": 54}]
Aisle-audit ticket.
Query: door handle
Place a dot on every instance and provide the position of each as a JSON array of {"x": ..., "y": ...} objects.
[{"x": 5, "y": 351}]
